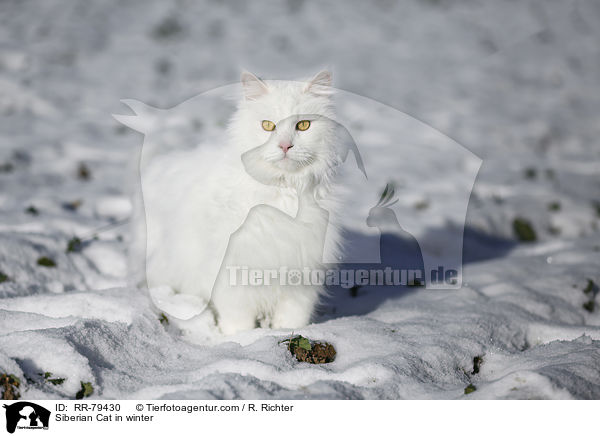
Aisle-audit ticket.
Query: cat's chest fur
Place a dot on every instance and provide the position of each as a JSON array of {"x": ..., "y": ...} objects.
[{"x": 194, "y": 201}]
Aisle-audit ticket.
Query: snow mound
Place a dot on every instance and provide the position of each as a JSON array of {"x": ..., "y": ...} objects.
[{"x": 522, "y": 98}]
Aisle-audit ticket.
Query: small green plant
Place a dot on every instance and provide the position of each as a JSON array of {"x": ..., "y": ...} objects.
[
  {"x": 591, "y": 290},
  {"x": 596, "y": 206},
  {"x": 470, "y": 389},
  {"x": 32, "y": 210},
  {"x": 524, "y": 230},
  {"x": 168, "y": 28},
  {"x": 6, "y": 167},
  {"x": 589, "y": 306},
  {"x": 477, "y": 361},
  {"x": 553, "y": 230},
  {"x": 72, "y": 206},
  {"x": 55, "y": 381},
  {"x": 590, "y": 287},
  {"x": 530, "y": 173},
  {"x": 297, "y": 342},
  {"x": 46, "y": 262},
  {"x": 421, "y": 205},
  {"x": 554, "y": 206},
  {"x": 163, "y": 319},
  {"x": 74, "y": 245},
  {"x": 86, "y": 390},
  {"x": 83, "y": 172},
  {"x": 3, "y": 277},
  {"x": 312, "y": 352}
]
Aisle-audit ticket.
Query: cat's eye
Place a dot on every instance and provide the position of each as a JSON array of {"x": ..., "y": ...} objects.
[
  {"x": 303, "y": 125},
  {"x": 269, "y": 126}
]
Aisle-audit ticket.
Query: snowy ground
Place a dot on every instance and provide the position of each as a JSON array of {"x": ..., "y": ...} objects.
[{"x": 515, "y": 83}]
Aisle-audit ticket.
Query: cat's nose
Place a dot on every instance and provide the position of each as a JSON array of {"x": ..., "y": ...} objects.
[{"x": 285, "y": 146}]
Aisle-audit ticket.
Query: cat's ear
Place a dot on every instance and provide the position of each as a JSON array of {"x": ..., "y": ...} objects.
[
  {"x": 320, "y": 84},
  {"x": 254, "y": 88}
]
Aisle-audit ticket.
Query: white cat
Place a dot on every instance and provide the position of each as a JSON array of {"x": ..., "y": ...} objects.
[{"x": 252, "y": 202}]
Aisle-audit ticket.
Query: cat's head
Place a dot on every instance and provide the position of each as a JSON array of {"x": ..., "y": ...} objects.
[{"x": 285, "y": 130}]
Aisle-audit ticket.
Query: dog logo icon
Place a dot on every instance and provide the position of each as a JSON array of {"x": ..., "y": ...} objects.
[{"x": 26, "y": 415}]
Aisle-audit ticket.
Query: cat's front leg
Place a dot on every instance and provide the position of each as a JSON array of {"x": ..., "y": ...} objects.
[
  {"x": 294, "y": 309},
  {"x": 236, "y": 309},
  {"x": 234, "y": 319}
]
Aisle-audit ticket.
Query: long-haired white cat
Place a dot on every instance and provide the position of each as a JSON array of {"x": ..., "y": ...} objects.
[{"x": 252, "y": 203}]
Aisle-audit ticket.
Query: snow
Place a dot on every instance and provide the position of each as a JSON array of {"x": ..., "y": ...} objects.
[{"x": 515, "y": 84}]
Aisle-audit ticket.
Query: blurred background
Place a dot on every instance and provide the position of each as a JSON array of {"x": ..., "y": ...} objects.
[{"x": 517, "y": 83}]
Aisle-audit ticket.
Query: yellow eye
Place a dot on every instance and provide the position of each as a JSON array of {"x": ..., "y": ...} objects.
[
  {"x": 303, "y": 125},
  {"x": 269, "y": 126}
]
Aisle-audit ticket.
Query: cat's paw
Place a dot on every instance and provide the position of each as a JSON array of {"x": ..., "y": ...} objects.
[
  {"x": 230, "y": 324},
  {"x": 291, "y": 318}
]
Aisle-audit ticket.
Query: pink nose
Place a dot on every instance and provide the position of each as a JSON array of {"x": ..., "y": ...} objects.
[{"x": 285, "y": 146}]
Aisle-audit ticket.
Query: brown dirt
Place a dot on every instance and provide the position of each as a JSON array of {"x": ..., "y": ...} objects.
[
  {"x": 10, "y": 385},
  {"x": 319, "y": 352}
]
